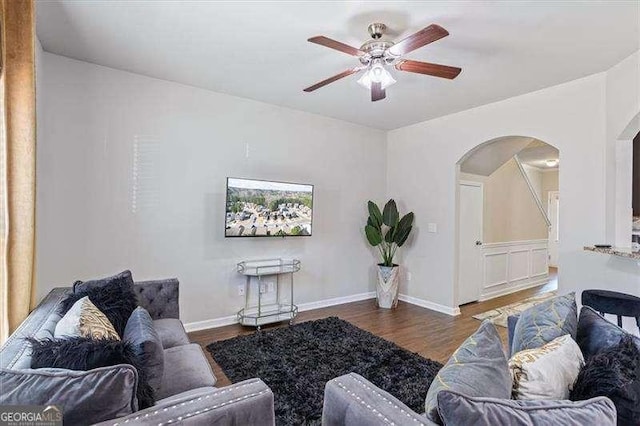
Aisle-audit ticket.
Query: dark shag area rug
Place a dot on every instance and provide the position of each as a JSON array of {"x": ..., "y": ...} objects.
[{"x": 297, "y": 361}]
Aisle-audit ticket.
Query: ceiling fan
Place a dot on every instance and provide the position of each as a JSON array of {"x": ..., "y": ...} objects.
[{"x": 376, "y": 54}]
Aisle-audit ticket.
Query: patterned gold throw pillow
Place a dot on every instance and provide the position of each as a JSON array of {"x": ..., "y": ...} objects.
[
  {"x": 84, "y": 319},
  {"x": 547, "y": 372}
]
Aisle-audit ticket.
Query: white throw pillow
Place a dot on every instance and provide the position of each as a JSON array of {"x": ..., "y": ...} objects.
[
  {"x": 547, "y": 372},
  {"x": 84, "y": 319}
]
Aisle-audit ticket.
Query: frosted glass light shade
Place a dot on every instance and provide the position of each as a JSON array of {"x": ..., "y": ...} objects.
[{"x": 376, "y": 74}]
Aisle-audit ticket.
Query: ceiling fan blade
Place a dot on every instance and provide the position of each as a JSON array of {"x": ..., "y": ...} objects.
[
  {"x": 377, "y": 92},
  {"x": 421, "y": 38},
  {"x": 427, "y": 68},
  {"x": 329, "y": 80},
  {"x": 333, "y": 44}
]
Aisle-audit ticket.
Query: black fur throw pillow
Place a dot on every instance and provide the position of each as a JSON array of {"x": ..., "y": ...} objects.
[
  {"x": 114, "y": 296},
  {"x": 84, "y": 353},
  {"x": 613, "y": 372}
]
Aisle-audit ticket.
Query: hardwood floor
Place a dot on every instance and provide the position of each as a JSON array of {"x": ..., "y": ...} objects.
[{"x": 431, "y": 334}]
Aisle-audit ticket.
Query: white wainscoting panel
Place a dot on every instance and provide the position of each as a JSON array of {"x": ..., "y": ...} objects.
[
  {"x": 513, "y": 266},
  {"x": 496, "y": 269},
  {"x": 540, "y": 262}
]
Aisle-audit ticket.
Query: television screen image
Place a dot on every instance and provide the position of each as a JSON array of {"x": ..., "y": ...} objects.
[{"x": 260, "y": 208}]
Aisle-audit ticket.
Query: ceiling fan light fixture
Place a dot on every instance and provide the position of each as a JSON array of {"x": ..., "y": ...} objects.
[
  {"x": 376, "y": 55},
  {"x": 376, "y": 74}
]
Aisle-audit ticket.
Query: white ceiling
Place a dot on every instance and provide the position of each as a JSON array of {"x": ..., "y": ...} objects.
[
  {"x": 258, "y": 50},
  {"x": 537, "y": 154},
  {"x": 489, "y": 157}
]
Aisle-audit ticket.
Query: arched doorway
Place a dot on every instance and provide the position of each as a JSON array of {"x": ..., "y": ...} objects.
[{"x": 507, "y": 218}]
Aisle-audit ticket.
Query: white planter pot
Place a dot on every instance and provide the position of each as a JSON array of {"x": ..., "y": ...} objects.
[{"x": 387, "y": 288}]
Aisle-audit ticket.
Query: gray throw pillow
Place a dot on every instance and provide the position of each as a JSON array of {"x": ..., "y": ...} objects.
[
  {"x": 596, "y": 333},
  {"x": 477, "y": 368},
  {"x": 457, "y": 409},
  {"x": 147, "y": 345},
  {"x": 544, "y": 322},
  {"x": 85, "y": 397}
]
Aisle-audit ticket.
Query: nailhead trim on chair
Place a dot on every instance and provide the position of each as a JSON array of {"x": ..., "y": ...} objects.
[
  {"x": 372, "y": 390},
  {"x": 197, "y": 399},
  {"x": 204, "y": 410},
  {"x": 379, "y": 395},
  {"x": 373, "y": 410}
]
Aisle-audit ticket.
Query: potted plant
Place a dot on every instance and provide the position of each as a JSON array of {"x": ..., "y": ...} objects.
[{"x": 388, "y": 232}]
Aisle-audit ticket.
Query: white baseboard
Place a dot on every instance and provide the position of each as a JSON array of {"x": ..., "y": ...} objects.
[
  {"x": 233, "y": 319},
  {"x": 210, "y": 323},
  {"x": 542, "y": 280},
  {"x": 430, "y": 305},
  {"x": 336, "y": 301}
]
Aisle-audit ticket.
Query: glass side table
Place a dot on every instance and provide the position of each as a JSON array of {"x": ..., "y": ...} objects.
[{"x": 281, "y": 309}]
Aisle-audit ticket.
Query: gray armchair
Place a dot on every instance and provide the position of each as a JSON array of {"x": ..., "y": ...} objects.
[
  {"x": 351, "y": 400},
  {"x": 245, "y": 403}
]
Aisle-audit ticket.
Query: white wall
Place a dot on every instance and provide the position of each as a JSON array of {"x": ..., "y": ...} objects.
[
  {"x": 192, "y": 139},
  {"x": 623, "y": 106},
  {"x": 421, "y": 175},
  {"x": 581, "y": 118},
  {"x": 534, "y": 175},
  {"x": 510, "y": 212},
  {"x": 549, "y": 183}
]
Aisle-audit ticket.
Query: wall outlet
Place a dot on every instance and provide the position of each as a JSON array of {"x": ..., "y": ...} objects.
[
  {"x": 240, "y": 289},
  {"x": 271, "y": 287},
  {"x": 409, "y": 276},
  {"x": 432, "y": 227}
]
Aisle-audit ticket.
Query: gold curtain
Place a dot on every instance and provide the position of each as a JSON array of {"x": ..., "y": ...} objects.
[{"x": 17, "y": 163}]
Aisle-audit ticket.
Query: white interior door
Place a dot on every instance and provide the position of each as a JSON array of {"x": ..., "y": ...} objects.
[
  {"x": 554, "y": 218},
  {"x": 469, "y": 242}
]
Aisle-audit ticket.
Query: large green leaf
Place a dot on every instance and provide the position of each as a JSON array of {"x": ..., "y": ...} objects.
[
  {"x": 373, "y": 235},
  {"x": 402, "y": 236},
  {"x": 390, "y": 214},
  {"x": 374, "y": 214},
  {"x": 406, "y": 221},
  {"x": 370, "y": 221},
  {"x": 388, "y": 237}
]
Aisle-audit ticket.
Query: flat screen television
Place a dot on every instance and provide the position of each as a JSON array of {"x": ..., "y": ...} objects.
[{"x": 261, "y": 208}]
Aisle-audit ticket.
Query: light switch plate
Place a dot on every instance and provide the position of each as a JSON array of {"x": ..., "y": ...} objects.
[{"x": 432, "y": 227}]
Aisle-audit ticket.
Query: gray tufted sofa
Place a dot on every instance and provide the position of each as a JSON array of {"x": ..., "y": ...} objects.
[{"x": 187, "y": 395}]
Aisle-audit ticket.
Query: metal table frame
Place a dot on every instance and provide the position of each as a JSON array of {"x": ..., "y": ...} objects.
[{"x": 260, "y": 315}]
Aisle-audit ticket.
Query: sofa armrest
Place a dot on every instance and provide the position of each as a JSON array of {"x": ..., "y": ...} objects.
[
  {"x": 245, "y": 403},
  {"x": 159, "y": 297},
  {"x": 512, "y": 320},
  {"x": 352, "y": 400}
]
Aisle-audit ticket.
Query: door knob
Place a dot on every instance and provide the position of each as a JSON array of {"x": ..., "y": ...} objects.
[{"x": 478, "y": 243}]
